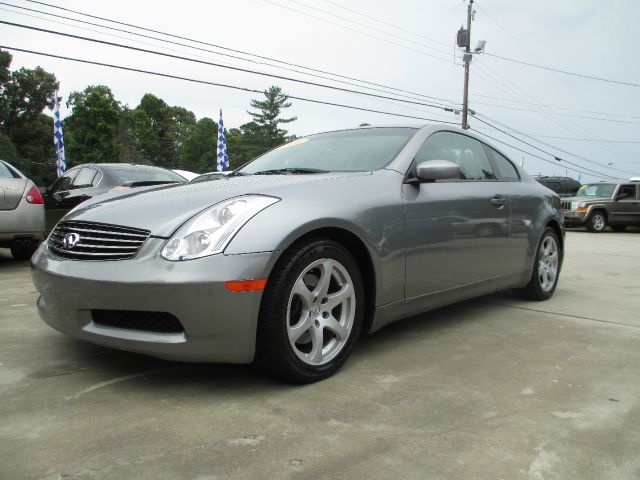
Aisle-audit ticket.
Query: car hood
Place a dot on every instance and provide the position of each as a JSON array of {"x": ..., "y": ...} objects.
[
  {"x": 161, "y": 210},
  {"x": 585, "y": 199}
]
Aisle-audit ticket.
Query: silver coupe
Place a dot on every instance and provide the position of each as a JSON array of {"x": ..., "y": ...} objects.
[{"x": 287, "y": 260}]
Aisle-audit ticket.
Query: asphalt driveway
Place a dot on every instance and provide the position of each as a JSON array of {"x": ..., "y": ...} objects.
[{"x": 494, "y": 388}]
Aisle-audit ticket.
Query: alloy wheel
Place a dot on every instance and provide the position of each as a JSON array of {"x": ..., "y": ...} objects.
[{"x": 548, "y": 261}]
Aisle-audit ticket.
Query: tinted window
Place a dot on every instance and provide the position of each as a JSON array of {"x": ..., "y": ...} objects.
[
  {"x": 465, "y": 151},
  {"x": 85, "y": 178},
  {"x": 505, "y": 169},
  {"x": 350, "y": 150},
  {"x": 131, "y": 174},
  {"x": 64, "y": 182},
  {"x": 629, "y": 190},
  {"x": 6, "y": 172}
]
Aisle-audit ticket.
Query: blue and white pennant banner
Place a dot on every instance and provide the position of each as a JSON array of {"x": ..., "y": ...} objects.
[
  {"x": 223, "y": 156},
  {"x": 58, "y": 140}
]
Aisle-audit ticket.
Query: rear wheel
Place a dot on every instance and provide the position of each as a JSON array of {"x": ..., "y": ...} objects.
[
  {"x": 546, "y": 269},
  {"x": 596, "y": 222},
  {"x": 311, "y": 312}
]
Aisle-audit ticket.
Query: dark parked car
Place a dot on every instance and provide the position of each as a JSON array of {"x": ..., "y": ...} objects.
[
  {"x": 563, "y": 186},
  {"x": 86, "y": 181},
  {"x": 286, "y": 262}
]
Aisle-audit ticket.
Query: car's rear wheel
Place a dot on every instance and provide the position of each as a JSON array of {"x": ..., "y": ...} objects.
[
  {"x": 618, "y": 228},
  {"x": 546, "y": 269},
  {"x": 311, "y": 312},
  {"x": 596, "y": 222}
]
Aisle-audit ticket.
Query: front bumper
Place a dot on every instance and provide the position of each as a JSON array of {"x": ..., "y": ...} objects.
[
  {"x": 574, "y": 218},
  {"x": 219, "y": 326}
]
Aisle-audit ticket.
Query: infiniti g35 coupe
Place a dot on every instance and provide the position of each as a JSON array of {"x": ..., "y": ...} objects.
[{"x": 286, "y": 261}]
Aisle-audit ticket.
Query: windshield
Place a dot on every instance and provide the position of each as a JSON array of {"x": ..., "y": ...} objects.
[
  {"x": 345, "y": 151},
  {"x": 596, "y": 190}
]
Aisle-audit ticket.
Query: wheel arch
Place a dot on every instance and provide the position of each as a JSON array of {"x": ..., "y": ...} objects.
[{"x": 356, "y": 247}]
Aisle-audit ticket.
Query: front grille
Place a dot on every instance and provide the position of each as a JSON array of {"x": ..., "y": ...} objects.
[
  {"x": 96, "y": 241},
  {"x": 566, "y": 205},
  {"x": 158, "y": 322}
]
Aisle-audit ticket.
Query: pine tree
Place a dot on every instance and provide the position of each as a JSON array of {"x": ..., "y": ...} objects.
[{"x": 267, "y": 119}]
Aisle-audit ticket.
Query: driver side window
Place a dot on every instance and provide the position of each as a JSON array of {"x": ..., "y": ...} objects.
[{"x": 465, "y": 151}]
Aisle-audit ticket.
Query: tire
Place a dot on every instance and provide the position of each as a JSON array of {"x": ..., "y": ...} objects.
[
  {"x": 22, "y": 253},
  {"x": 597, "y": 222},
  {"x": 618, "y": 228},
  {"x": 311, "y": 312},
  {"x": 546, "y": 268}
]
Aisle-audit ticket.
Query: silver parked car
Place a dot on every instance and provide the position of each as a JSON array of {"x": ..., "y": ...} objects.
[
  {"x": 21, "y": 212},
  {"x": 290, "y": 258}
]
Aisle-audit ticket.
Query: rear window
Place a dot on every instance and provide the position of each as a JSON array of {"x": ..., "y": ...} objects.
[
  {"x": 134, "y": 175},
  {"x": 6, "y": 172}
]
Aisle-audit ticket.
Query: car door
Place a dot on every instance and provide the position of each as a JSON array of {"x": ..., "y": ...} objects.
[
  {"x": 625, "y": 208},
  {"x": 455, "y": 229}
]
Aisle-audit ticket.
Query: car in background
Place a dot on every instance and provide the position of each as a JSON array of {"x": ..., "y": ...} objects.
[
  {"x": 285, "y": 262},
  {"x": 597, "y": 205},
  {"x": 86, "y": 181},
  {"x": 21, "y": 213},
  {"x": 186, "y": 174},
  {"x": 205, "y": 177},
  {"x": 563, "y": 186}
]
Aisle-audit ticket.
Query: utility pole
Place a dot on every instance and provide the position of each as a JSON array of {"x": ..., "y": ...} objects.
[{"x": 467, "y": 61}]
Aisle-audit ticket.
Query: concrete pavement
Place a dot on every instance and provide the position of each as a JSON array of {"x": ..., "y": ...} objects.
[{"x": 494, "y": 388}]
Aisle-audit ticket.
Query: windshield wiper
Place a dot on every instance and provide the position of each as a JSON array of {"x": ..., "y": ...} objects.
[{"x": 290, "y": 171}]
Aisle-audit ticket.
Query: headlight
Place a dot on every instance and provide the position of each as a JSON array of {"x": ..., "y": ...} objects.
[
  {"x": 574, "y": 205},
  {"x": 211, "y": 230}
]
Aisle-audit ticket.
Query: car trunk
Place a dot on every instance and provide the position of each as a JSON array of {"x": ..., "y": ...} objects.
[{"x": 11, "y": 191}]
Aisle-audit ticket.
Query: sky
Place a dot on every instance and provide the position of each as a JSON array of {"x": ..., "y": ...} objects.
[{"x": 406, "y": 47}]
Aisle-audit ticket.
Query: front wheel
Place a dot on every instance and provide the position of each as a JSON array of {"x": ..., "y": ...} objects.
[
  {"x": 546, "y": 269},
  {"x": 311, "y": 313},
  {"x": 596, "y": 222}
]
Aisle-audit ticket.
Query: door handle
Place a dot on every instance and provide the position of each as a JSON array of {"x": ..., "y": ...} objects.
[{"x": 498, "y": 201}]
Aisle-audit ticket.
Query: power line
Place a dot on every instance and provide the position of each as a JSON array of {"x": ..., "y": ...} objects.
[
  {"x": 215, "y": 84},
  {"x": 366, "y": 26},
  {"x": 387, "y": 88},
  {"x": 360, "y": 32},
  {"x": 203, "y": 62},
  {"x": 527, "y": 152},
  {"x": 200, "y": 42},
  {"x": 540, "y": 149},
  {"x": 545, "y": 105},
  {"x": 386, "y": 23},
  {"x": 565, "y": 72}
]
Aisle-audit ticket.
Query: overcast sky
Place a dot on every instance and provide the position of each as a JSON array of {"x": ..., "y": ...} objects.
[{"x": 413, "y": 50}]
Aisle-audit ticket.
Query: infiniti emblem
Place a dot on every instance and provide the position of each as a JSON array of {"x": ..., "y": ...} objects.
[{"x": 70, "y": 240}]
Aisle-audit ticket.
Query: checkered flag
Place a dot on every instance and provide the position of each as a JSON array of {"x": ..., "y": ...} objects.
[
  {"x": 58, "y": 141},
  {"x": 223, "y": 156}
]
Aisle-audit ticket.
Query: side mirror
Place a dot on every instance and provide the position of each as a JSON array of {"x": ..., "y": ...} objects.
[{"x": 431, "y": 170}]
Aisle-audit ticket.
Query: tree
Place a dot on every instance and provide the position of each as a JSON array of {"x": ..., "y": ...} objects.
[
  {"x": 91, "y": 130},
  {"x": 27, "y": 133},
  {"x": 267, "y": 120},
  {"x": 198, "y": 150},
  {"x": 162, "y": 130}
]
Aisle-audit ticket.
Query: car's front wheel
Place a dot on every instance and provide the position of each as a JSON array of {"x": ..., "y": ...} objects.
[
  {"x": 311, "y": 313},
  {"x": 546, "y": 269},
  {"x": 596, "y": 222}
]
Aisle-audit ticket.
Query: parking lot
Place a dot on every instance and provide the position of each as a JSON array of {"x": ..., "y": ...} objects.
[{"x": 494, "y": 388}]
